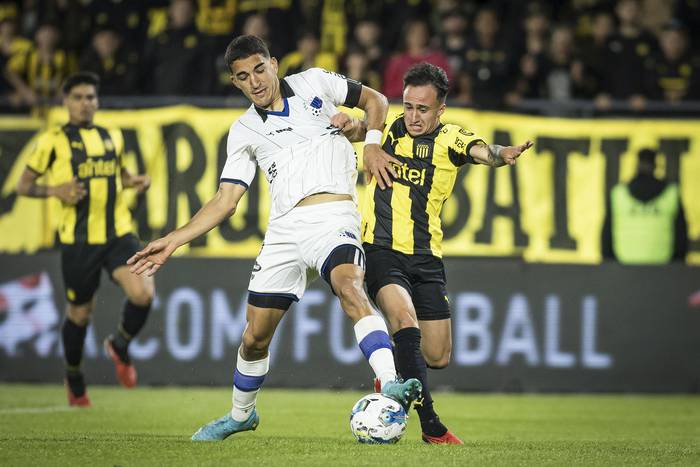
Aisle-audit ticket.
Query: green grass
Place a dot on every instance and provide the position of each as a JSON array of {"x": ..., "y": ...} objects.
[{"x": 152, "y": 426}]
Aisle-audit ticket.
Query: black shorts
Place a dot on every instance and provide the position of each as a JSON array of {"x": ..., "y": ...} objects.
[
  {"x": 423, "y": 276},
  {"x": 82, "y": 265}
]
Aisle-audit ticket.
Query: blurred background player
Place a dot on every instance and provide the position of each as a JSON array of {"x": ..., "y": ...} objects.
[
  {"x": 314, "y": 227},
  {"x": 402, "y": 234},
  {"x": 95, "y": 231},
  {"x": 645, "y": 222}
]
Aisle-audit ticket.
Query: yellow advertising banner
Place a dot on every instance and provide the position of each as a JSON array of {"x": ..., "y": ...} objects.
[{"x": 549, "y": 208}]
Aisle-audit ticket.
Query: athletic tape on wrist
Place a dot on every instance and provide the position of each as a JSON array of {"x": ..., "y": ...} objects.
[{"x": 373, "y": 137}]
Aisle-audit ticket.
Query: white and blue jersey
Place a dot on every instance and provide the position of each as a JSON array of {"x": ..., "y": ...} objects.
[
  {"x": 297, "y": 149},
  {"x": 300, "y": 154}
]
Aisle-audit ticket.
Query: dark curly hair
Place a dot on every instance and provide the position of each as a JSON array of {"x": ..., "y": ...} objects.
[{"x": 426, "y": 73}]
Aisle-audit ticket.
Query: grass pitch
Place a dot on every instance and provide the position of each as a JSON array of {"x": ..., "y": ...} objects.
[{"x": 152, "y": 426}]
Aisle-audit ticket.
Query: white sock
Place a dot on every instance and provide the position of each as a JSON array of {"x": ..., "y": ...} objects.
[
  {"x": 247, "y": 380},
  {"x": 373, "y": 337}
]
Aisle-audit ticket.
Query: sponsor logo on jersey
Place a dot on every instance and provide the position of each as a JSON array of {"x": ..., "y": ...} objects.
[
  {"x": 335, "y": 74},
  {"x": 272, "y": 171},
  {"x": 97, "y": 168},
  {"x": 281, "y": 130},
  {"x": 412, "y": 176},
  {"x": 348, "y": 234},
  {"x": 334, "y": 130},
  {"x": 256, "y": 268}
]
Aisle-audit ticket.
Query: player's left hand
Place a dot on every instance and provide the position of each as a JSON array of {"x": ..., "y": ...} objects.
[
  {"x": 510, "y": 153},
  {"x": 379, "y": 165},
  {"x": 141, "y": 183},
  {"x": 152, "y": 257}
]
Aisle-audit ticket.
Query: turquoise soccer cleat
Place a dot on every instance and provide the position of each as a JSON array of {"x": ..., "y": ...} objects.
[
  {"x": 223, "y": 427},
  {"x": 405, "y": 392}
]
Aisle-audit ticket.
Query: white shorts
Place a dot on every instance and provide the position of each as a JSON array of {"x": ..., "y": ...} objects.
[{"x": 304, "y": 243}]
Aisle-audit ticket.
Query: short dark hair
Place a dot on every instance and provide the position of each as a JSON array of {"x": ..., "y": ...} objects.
[
  {"x": 244, "y": 47},
  {"x": 81, "y": 77},
  {"x": 427, "y": 73}
]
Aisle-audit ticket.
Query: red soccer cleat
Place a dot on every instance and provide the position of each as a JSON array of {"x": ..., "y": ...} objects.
[
  {"x": 77, "y": 401},
  {"x": 126, "y": 373},
  {"x": 447, "y": 438},
  {"x": 377, "y": 385}
]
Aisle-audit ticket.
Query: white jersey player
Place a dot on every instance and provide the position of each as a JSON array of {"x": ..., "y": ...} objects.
[{"x": 314, "y": 225}]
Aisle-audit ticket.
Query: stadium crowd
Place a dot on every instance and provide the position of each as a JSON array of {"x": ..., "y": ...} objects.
[{"x": 496, "y": 52}]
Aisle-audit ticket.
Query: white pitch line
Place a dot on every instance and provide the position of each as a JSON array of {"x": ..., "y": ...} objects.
[{"x": 56, "y": 408}]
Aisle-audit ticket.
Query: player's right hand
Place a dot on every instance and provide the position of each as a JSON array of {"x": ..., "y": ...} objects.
[
  {"x": 379, "y": 164},
  {"x": 343, "y": 121},
  {"x": 71, "y": 192},
  {"x": 152, "y": 257}
]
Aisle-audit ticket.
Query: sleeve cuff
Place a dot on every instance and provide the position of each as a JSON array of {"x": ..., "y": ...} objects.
[
  {"x": 235, "y": 181},
  {"x": 34, "y": 170},
  {"x": 472, "y": 143}
]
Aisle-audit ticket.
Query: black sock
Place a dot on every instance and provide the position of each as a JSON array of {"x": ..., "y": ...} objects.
[
  {"x": 411, "y": 364},
  {"x": 76, "y": 382},
  {"x": 133, "y": 319},
  {"x": 73, "y": 337}
]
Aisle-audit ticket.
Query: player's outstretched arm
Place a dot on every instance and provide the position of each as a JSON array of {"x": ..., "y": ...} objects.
[
  {"x": 496, "y": 155},
  {"x": 156, "y": 253},
  {"x": 377, "y": 163},
  {"x": 71, "y": 192}
]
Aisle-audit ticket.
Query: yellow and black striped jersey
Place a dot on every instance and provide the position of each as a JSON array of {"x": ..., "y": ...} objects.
[
  {"x": 406, "y": 216},
  {"x": 94, "y": 156}
]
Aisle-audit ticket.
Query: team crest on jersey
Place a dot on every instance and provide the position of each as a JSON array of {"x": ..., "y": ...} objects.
[
  {"x": 422, "y": 151},
  {"x": 316, "y": 104}
]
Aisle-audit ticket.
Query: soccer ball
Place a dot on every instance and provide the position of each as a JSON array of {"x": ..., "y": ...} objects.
[{"x": 378, "y": 419}]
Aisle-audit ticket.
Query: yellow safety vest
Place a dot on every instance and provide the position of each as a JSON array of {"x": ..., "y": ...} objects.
[{"x": 643, "y": 232}]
